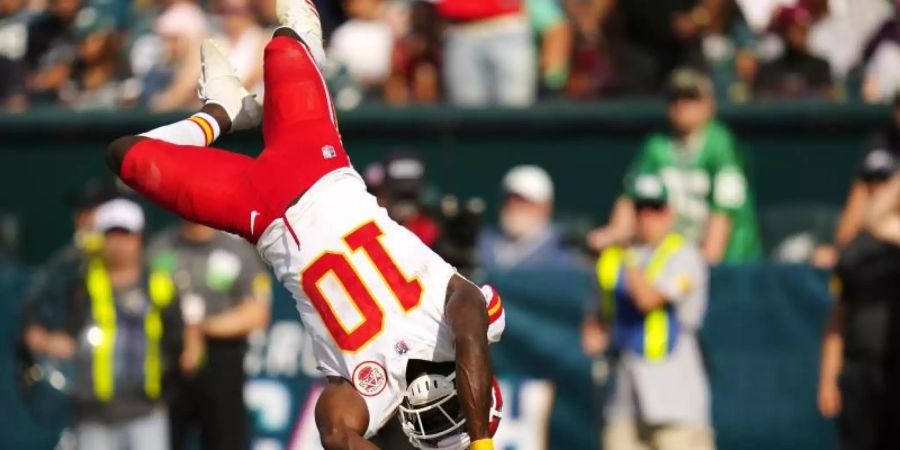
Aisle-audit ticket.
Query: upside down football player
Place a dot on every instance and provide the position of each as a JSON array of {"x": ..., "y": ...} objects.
[{"x": 394, "y": 326}]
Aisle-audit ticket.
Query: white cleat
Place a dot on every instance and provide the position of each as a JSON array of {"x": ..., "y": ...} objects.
[
  {"x": 302, "y": 17},
  {"x": 220, "y": 85}
]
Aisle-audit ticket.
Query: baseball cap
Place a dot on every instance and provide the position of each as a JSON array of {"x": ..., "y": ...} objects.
[
  {"x": 92, "y": 20},
  {"x": 879, "y": 164},
  {"x": 404, "y": 174},
  {"x": 529, "y": 182},
  {"x": 688, "y": 83},
  {"x": 119, "y": 214},
  {"x": 649, "y": 189}
]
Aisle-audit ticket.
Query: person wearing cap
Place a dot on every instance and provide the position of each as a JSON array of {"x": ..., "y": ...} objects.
[
  {"x": 526, "y": 236},
  {"x": 96, "y": 78},
  {"x": 46, "y": 296},
  {"x": 876, "y": 168},
  {"x": 859, "y": 365},
  {"x": 121, "y": 321},
  {"x": 701, "y": 166},
  {"x": 653, "y": 300},
  {"x": 51, "y": 48},
  {"x": 225, "y": 295},
  {"x": 797, "y": 73},
  {"x": 884, "y": 150},
  {"x": 172, "y": 85}
]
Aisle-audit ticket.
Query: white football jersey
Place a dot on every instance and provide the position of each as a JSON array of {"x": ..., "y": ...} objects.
[{"x": 369, "y": 291}]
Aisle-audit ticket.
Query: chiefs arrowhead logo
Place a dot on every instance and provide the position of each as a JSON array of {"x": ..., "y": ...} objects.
[{"x": 369, "y": 378}]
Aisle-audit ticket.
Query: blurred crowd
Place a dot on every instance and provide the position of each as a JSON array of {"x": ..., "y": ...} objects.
[{"x": 104, "y": 54}]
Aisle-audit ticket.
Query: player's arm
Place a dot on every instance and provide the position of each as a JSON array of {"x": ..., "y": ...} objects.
[
  {"x": 468, "y": 321},
  {"x": 715, "y": 242},
  {"x": 250, "y": 315},
  {"x": 832, "y": 361},
  {"x": 852, "y": 216},
  {"x": 619, "y": 229},
  {"x": 645, "y": 295},
  {"x": 729, "y": 195},
  {"x": 254, "y": 288},
  {"x": 882, "y": 217}
]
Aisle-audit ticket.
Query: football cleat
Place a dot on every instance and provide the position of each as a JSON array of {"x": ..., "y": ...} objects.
[
  {"x": 302, "y": 17},
  {"x": 220, "y": 85}
]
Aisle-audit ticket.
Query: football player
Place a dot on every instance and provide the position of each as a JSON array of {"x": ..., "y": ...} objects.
[{"x": 381, "y": 306}]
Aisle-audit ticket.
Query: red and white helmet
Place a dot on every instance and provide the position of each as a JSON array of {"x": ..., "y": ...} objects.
[{"x": 431, "y": 415}]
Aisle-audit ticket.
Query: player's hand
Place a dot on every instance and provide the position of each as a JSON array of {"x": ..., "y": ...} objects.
[
  {"x": 594, "y": 338},
  {"x": 600, "y": 238},
  {"x": 60, "y": 345},
  {"x": 192, "y": 356},
  {"x": 829, "y": 397}
]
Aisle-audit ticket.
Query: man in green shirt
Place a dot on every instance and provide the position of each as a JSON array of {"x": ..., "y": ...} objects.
[{"x": 699, "y": 163}]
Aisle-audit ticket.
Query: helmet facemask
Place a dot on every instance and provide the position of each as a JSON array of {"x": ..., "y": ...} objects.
[
  {"x": 432, "y": 417},
  {"x": 430, "y": 413}
]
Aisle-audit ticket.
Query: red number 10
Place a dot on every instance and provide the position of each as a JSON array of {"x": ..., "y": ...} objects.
[{"x": 408, "y": 292}]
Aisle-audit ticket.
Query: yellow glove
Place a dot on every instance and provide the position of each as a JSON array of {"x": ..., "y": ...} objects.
[{"x": 482, "y": 444}]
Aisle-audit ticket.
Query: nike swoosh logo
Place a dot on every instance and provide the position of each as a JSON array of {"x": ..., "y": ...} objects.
[{"x": 253, "y": 215}]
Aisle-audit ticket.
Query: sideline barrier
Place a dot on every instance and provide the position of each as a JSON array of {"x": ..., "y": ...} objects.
[{"x": 761, "y": 336}]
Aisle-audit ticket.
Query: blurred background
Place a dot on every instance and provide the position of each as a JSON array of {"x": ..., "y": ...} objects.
[{"x": 513, "y": 137}]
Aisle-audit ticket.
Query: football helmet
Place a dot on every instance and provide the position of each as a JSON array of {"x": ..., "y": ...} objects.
[{"x": 431, "y": 415}]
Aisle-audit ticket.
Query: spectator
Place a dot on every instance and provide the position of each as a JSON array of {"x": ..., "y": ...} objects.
[
  {"x": 416, "y": 59},
  {"x": 118, "y": 327},
  {"x": 699, "y": 162},
  {"x": 670, "y": 31},
  {"x": 859, "y": 372},
  {"x": 840, "y": 32},
  {"x": 875, "y": 168},
  {"x": 796, "y": 74},
  {"x": 404, "y": 180},
  {"x": 13, "y": 44},
  {"x": 52, "y": 49},
  {"x": 654, "y": 297},
  {"x": 882, "y": 64},
  {"x": 172, "y": 83},
  {"x": 243, "y": 41},
  {"x": 46, "y": 296},
  {"x": 96, "y": 79},
  {"x": 362, "y": 47},
  {"x": 551, "y": 26},
  {"x": 526, "y": 236},
  {"x": 604, "y": 62},
  {"x": 488, "y": 53},
  {"x": 225, "y": 296}
]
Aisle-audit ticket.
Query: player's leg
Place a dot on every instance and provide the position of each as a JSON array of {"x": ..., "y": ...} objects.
[
  {"x": 297, "y": 98},
  {"x": 172, "y": 167},
  {"x": 198, "y": 183},
  {"x": 342, "y": 417}
]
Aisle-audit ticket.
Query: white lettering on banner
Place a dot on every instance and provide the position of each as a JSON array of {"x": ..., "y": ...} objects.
[
  {"x": 306, "y": 435},
  {"x": 526, "y": 415},
  {"x": 267, "y": 444},
  {"x": 270, "y": 401}
]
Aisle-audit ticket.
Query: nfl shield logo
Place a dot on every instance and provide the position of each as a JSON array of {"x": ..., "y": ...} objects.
[{"x": 328, "y": 152}]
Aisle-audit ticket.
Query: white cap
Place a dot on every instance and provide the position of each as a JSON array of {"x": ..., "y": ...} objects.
[
  {"x": 530, "y": 182},
  {"x": 119, "y": 213}
]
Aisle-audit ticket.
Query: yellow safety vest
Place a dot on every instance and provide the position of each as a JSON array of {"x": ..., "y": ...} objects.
[
  {"x": 161, "y": 290},
  {"x": 658, "y": 323}
]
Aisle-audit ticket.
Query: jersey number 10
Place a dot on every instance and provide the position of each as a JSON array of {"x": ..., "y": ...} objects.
[{"x": 407, "y": 291}]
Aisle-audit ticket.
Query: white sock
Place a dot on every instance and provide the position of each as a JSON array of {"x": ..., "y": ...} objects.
[{"x": 200, "y": 130}]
